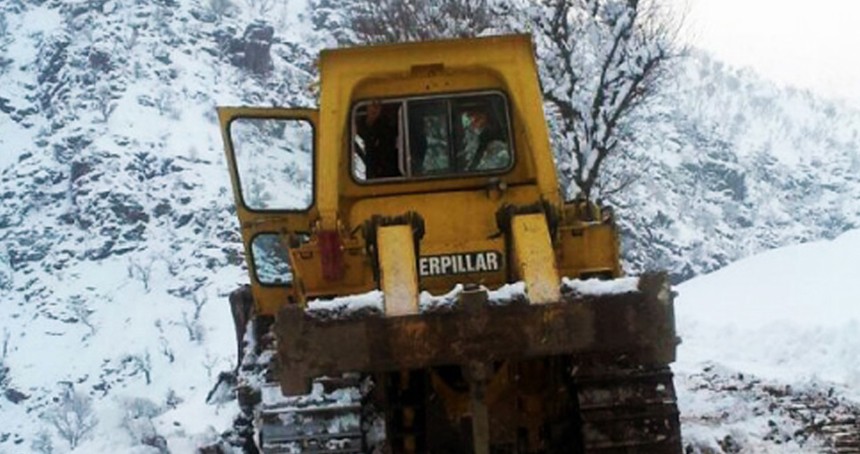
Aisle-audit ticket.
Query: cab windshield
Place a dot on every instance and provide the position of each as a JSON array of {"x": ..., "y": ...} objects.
[{"x": 427, "y": 137}]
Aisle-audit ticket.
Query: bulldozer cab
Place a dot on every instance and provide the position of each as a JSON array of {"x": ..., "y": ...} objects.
[{"x": 444, "y": 140}]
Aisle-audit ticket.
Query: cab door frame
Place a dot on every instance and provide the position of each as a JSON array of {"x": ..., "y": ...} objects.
[{"x": 288, "y": 224}]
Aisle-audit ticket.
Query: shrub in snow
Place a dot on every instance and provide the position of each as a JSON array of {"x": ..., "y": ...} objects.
[
  {"x": 141, "y": 363},
  {"x": 220, "y": 8},
  {"x": 81, "y": 311},
  {"x": 137, "y": 421},
  {"x": 4, "y": 374},
  {"x": 172, "y": 400},
  {"x": 4, "y": 369},
  {"x": 193, "y": 325},
  {"x": 73, "y": 417},
  {"x": 43, "y": 443}
]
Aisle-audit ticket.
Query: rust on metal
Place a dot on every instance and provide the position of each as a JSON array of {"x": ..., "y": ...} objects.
[{"x": 636, "y": 326}]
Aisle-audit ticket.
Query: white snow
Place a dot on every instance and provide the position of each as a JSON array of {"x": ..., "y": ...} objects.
[
  {"x": 429, "y": 302},
  {"x": 602, "y": 287},
  {"x": 787, "y": 317},
  {"x": 347, "y": 305},
  {"x": 789, "y": 314},
  {"x": 507, "y": 293}
]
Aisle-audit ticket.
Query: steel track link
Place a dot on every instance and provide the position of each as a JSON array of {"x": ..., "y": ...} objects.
[{"x": 629, "y": 411}]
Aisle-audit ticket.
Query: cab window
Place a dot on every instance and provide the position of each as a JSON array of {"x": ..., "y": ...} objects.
[
  {"x": 268, "y": 149},
  {"x": 429, "y": 137}
]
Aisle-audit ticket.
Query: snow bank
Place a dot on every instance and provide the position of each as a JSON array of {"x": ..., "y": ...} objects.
[{"x": 790, "y": 314}]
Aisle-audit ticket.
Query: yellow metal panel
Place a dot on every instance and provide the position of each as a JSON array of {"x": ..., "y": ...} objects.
[
  {"x": 397, "y": 267},
  {"x": 588, "y": 248},
  {"x": 535, "y": 258},
  {"x": 502, "y": 62},
  {"x": 455, "y": 222},
  {"x": 267, "y": 299}
]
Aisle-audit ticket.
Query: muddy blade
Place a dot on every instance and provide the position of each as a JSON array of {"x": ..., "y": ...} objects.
[{"x": 636, "y": 327}]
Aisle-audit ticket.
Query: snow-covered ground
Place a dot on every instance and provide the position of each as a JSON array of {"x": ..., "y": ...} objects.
[{"x": 782, "y": 322}]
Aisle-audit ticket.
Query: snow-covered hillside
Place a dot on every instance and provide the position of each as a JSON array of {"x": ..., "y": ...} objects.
[
  {"x": 118, "y": 243},
  {"x": 770, "y": 348},
  {"x": 731, "y": 165}
]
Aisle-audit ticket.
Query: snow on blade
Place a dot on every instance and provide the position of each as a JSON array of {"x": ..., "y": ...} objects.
[
  {"x": 500, "y": 296},
  {"x": 516, "y": 291},
  {"x": 428, "y": 302},
  {"x": 508, "y": 293},
  {"x": 346, "y": 306},
  {"x": 600, "y": 287}
]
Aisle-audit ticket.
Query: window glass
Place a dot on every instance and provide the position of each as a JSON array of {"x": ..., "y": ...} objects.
[
  {"x": 429, "y": 137},
  {"x": 445, "y": 135},
  {"x": 274, "y": 159},
  {"x": 271, "y": 260},
  {"x": 481, "y": 133},
  {"x": 378, "y": 140}
]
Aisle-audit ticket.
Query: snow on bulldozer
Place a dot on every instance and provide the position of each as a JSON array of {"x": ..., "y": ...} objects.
[{"x": 417, "y": 282}]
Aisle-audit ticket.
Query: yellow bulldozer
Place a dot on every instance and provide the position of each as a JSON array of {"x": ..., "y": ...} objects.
[{"x": 417, "y": 282}]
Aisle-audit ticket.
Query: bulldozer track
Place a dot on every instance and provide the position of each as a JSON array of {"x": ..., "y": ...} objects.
[
  {"x": 629, "y": 411},
  {"x": 620, "y": 412},
  {"x": 328, "y": 420}
]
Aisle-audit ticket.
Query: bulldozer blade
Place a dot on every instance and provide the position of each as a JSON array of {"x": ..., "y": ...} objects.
[{"x": 637, "y": 327}]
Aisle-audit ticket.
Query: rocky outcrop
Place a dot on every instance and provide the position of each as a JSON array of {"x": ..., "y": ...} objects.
[{"x": 253, "y": 51}]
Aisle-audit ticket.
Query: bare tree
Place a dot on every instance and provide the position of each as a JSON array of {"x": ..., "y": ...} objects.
[
  {"x": 142, "y": 363},
  {"x": 260, "y": 9},
  {"x": 4, "y": 369},
  {"x": 220, "y": 8},
  {"x": 385, "y": 21},
  {"x": 137, "y": 421},
  {"x": 600, "y": 60},
  {"x": 209, "y": 363},
  {"x": 79, "y": 308},
  {"x": 141, "y": 271},
  {"x": 192, "y": 323},
  {"x": 73, "y": 417}
]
